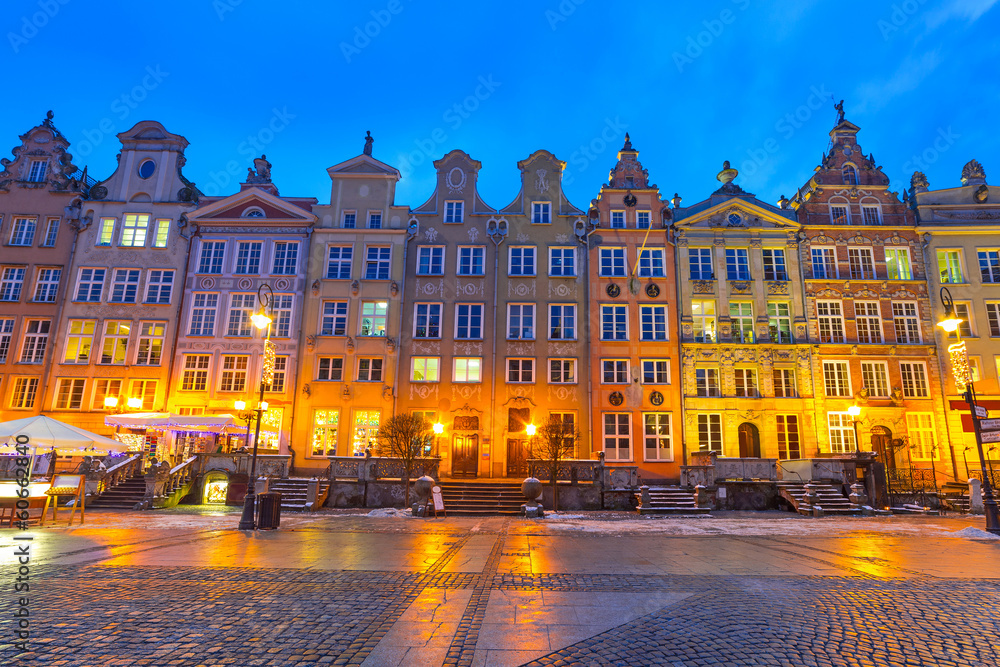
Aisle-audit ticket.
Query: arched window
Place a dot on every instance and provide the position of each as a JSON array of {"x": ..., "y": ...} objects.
[
  {"x": 850, "y": 175},
  {"x": 254, "y": 212}
]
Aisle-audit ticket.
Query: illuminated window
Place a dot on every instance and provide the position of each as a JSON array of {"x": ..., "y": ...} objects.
[
  {"x": 657, "y": 434},
  {"x": 741, "y": 316},
  {"x": 69, "y": 393},
  {"x": 374, "y": 315},
  {"x": 618, "y": 436},
  {"x": 150, "y": 347},
  {"x": 841, "y": 430},
  {"x": 366, "y": 423},
  {"x": 779, "y": 321},
  {"x": 107, "y": 232},
  {"x": 324, "y": 432},
  {"x": 703, "y": 321},
  {"x": 162, "y": 233},
  {"x": 897, "y": 261},
  {"x": 6, "y": 335},
  {"x": 79, "y": 341},
  {"x": 468, "y": 369},
  {"x": 23, "y": 396},
  {"x": 920, "y": 428},
  {"x": 105, "y": 389},
  {"x": 195, "y": 375},
  {"x": 234, "y": 372},
  {"x": 115, "y": 345},
  {"x": 134, "y": 226},
  {"x": 425, "y": 369}
]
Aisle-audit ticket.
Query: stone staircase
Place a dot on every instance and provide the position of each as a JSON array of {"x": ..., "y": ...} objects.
[
  {"x": 125, "y": 496},
  {"x": 830, "y": 499},
  {"x": 478, "y": 499},
  {"x": 294, "y": 492},
  {"x": 670, "y": 500}
]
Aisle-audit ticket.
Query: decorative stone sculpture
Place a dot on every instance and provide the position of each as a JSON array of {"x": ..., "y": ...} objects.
[
  {"x": 532, "y": 490},
  {"x": 369, "y": 140},
  {"x": 973, "y": 173}
]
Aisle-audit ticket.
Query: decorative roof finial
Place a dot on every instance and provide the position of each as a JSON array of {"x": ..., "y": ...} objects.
[
  {"x": 840, "y": 111},
  {"x": 727, "y": 174},
  {"x": 369, "y": 140},
  {"x": 973, "y": 173},
  {"x": 628, "y": 143}
]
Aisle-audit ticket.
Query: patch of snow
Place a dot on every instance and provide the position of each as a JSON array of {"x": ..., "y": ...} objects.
[
  {"x": 975, "y": 534},
  {"x": 557, "y": 516},
  {"x": 389, "y": 513}
]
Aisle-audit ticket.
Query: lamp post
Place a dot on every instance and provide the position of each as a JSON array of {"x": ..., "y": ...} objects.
[
  {"x": 262, "y": 321},
  {"x": 438, "y": 429},
  {"x": 854, "y": 411},
  {"x": 963, "y": 379}
]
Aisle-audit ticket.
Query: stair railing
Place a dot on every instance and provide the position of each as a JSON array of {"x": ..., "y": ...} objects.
[
  {"x": 119, "y": 473},
  {"x": 180, "y": 475}
]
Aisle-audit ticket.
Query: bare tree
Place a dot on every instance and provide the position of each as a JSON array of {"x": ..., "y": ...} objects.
[
  {"x": 403, "y": 436},
  {"x": 554, "y": 443}
]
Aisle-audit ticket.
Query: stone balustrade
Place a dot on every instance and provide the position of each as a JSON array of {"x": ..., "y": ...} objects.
[
  {"x": 379, "y": 467},
  {"x": 586, "y": 470}
]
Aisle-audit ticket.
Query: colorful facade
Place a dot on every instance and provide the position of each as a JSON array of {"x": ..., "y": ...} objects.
[
  {"x": 250, "y": 246},
  {"x": 114, "y": 339},
  {"x": 869, "y": 314},
  {"x": 348, "y": 368},
  {"x": 747, "y": 376},
  {"x": 649, "y": 330},
  {"x": 958, "y": 227},
  {"x": 41, "y": 193},
  {"x": 636, "y": 410}
]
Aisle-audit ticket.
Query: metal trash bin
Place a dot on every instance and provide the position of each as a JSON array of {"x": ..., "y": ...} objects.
[{"x": 268, "y": 510}]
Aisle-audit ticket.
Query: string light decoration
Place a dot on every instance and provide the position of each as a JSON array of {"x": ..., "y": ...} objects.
[
  {"x": 267, "y": 372},
  {"x": 960, "y": 365}
]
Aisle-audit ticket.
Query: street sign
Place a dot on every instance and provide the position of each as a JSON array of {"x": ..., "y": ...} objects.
[
  {"x": 990, "y": 436},
  {"x": 981, "y": 412},
  {"x": 990, "y": 424}
]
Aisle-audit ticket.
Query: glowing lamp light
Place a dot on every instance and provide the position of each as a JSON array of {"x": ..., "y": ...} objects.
[
  {"x": 950, "y": 324},
  {"x": 240, "y": 405},
  {"x": 263, "y": 405},
  {"x": 960, "y": 365},
  {"x": 135, "y": 403},
  {"x": 260, "y": 320},
  {"x": 854, "y": 411},
  {"x": 530, "y": 429},
  {"x": 438, "y": 428},
  {"x": 111, "y": 401}
]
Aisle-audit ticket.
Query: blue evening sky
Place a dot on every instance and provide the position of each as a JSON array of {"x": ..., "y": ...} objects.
[{"x": 694, "y": 84}]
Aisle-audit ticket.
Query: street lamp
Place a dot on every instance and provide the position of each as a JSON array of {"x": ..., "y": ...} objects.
[
  {"x": 262, "y": 321},
  {"x": 854, "y": 411},
  {"x": 963, "y": 379}
]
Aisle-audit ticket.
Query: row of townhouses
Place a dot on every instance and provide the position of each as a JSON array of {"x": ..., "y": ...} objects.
[{"x": 651, "y": 328}]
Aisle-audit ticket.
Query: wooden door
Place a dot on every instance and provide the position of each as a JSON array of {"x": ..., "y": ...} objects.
[
  {"x": 749, "y": 441},
  {"x": 517, "y": 458},
  {"x": 465, "y": 455}
]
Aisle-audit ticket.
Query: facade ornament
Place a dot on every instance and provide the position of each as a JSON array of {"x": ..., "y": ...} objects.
[
  {"x": 369, "y": 140},
  {"x": 346, "y": 392},
  {"x": 393, "y": 288},
  {"x": 311, "y": 341},
  {"x": 306, "y": 389},
  {"x": 390, "y": 344},
  {"x": 455, "y": 180},
  {"x": 973, "y": 173},
  {"x": 350, "y": 344},
  {"x": 840, "y": 111},
  {"x": 315, "y": 287},
  {"x": 263, "y": 171},
  {"x": 919, "y": 181},
  {"x": 541, "y": 183},
  {"x": 355, "y": 287}
]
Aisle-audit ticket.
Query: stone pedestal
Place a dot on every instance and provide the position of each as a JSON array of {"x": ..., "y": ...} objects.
[
  {"x": 645, "y": 500},
  {"x": 858, "y": 496},
  {"x": 532, "y": 490},
  {"x": 975, "y": 497}
]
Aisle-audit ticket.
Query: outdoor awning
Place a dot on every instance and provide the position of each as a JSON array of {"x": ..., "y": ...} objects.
[
  {"x": 45, "y": 433},
  {"x": 167, "y": 421}
]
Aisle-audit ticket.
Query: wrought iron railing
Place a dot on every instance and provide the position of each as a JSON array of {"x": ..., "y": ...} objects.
[{"x": 911, "y": 480}]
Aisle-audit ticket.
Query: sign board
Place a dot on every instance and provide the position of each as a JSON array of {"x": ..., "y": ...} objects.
[
  {"x": 990, "y": 424},
  {"x": 437, "y": 498},
  {"x": 981, "y": 412},
  {"x": 990, "y": 436}
]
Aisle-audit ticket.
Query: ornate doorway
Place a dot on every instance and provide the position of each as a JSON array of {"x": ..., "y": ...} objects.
[
  {"x": 749, "y": 438},
  {"x": 883, "y": 446},
  {"x": 464, "y": 455}
]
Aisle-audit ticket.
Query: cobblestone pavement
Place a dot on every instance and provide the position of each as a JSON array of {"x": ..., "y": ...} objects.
[{"x": 333, "y": 590}]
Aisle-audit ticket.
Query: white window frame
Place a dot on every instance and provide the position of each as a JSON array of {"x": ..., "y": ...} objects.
[
  {"x": 840, "y": 377},
  {"x": 915, "y": 379},
  {"x": 372, "y": 369},
  {"x": 898, "y": 262},
  {"x": 619, "y": 368},
  {"x": 345, "y": 258},
  {"x": 434, "y": 254},
  {"x": 618, "y": 315},
  {"x": 562, "y": 250},
  {"x": 159, "y": 281},
  {"x": 661, "y": 452},
  {"x": 204, "y": 314},
  {"x": 951, "y": 266},
  {"x": 562, "y": 322},
  {"x": 906, "y": 321},
  {"x": 868, "y": 322},
  {"x": 520, "y": 313},
  {"x": 652, "y": 263},
  {"x": 475, "y": 310},
  {"x": 709, "y": 425},
  {"x": 527, "y": 261},
  {"x": 659, "y": 368},
  {"x": 454, "y": 212},
  {"x": 329, "y": 370},
  {"x": 462, "y": 370},
  {"x": 874, "y": 373},
  {"x": 381, "y": 260},
  {"x": 620, "y": 419},
  {"x": 562, "y": 368},
  {"x": 248, "y": 257},
  {"x": 615, "y": 259},
  {"x": 429, "y": 369},
  {"x": 834, "y": 321},
  {"x": 474, "y": 252},
  {"x": 829, "y": 264},
  {"x": 47, "y": 284},
  {"x": 541, "y": 212},
  {"x": 22, "y": 232},
  {"x": 432, "y": 311},
  {"x": 522, "y": 367},
  {"x": 379, "y": 318},
  {"x": 69, "y": 394},
  {"x": 840, "y": 429},
  {"x": 134, "y": 235},
  {"x": 115, "y": 337},
  {"x": 374, "y": 220},
  {"x": 861, "y": 263},
  {"x": 923, "y": 436}
]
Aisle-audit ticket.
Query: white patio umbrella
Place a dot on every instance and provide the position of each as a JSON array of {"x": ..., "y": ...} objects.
[{"x": 48, "y": 433}]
